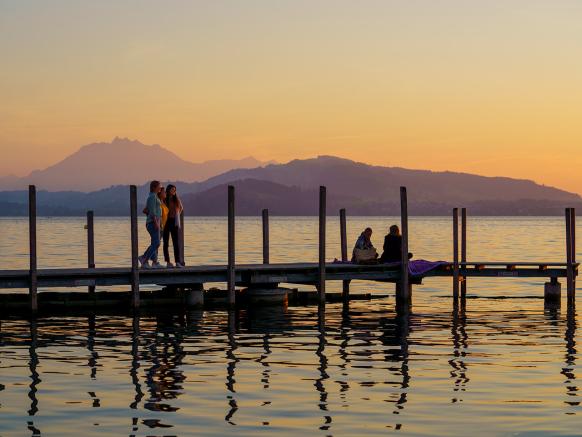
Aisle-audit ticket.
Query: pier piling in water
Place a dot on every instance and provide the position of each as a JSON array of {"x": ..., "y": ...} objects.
[
  {"x": 403, "y": 287},
  {"x": 181, "y": 238},
  {"x": 32, "y": 248},
  {"x": 265, "y": 221},
  {"x": 455, "y": 253},
  {"x": 463, "y": 250},
  {"x": 344, "y": 251},
  {"x": 231, "y": 249},
  {"x": 570, "y": 255},
  {"x": 134, "y": 246},
  {"x": 321, "y": 264},
  {"x": 90, "y": 246}
]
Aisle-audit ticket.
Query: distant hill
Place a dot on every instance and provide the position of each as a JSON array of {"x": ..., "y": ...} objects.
[
  {"x": 123, "y": 161},
  {"x": 292, "y": 189}
]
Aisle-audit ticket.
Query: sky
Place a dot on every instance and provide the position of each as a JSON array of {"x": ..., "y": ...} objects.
[{"x": 488, "y": 87}]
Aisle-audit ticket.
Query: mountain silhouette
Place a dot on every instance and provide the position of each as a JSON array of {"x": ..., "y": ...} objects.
[{"x": 123, "y": 161}]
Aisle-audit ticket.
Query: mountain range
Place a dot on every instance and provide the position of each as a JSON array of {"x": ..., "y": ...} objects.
[
  {"x": 122, "y": 161},
  {"x": 292, "y": 189}
]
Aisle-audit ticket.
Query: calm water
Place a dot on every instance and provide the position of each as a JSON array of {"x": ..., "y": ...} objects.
[{"x": 500, "y": 366}]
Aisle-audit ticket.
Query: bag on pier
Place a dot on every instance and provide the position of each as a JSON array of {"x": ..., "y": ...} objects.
[{"x": 365, "y": 255}]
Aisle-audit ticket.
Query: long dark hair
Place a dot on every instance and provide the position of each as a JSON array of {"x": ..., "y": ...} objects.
[{"x": 169, "y": 196}]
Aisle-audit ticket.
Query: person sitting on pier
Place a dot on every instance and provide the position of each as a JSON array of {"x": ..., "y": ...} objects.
[
  {"x": 172, "y": 228},
  {"x": 364, "y": 251},
  {"x": 153, "y": 225},
  {"x": 393, "y": 246}
]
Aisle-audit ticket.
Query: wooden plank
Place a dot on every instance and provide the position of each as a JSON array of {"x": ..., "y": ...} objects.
[
  {"x": 321, "y": 266},
  {"x": 266, "y": 254},
  {"x": 403, "y": 296},
  {"x": 90, "y": 246},
  {"x": 134, "y": 278},
  {"x": 455, "y": 253},
  {"x": 344, "y": 251},
  {"x": 231, "y": 248},
  {"x": 33, "y": 285}
]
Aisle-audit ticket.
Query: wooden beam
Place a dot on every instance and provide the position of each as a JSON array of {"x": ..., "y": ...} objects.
[
  {"x": 134, "y": 247},
  {"x": 321, "y": 266},
  {"x": 231, "y": 248},
  {"x": 455, "y": 253},
  {"x": 265, "y": 215},
  {"x": 464, "y": 249},
  {"x": 403, "y": 296},
  {"x": 344, "y": 251},
  {"x": 90, "y": 246},
  {"x": 33, "y": 265}
]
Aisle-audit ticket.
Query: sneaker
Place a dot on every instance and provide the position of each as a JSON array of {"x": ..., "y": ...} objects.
[
  {"x": 143, "y": 263},
  {"x": 180, "y": 265},
  {"x": 157, "y": 265},
  {"x": 170, "y": 265}
]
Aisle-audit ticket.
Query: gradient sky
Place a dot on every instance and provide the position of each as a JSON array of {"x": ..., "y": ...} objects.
[{"x": 490, "y": 87}]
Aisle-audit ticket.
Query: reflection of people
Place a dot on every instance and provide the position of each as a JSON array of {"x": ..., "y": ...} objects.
[
  {"x": 364, "y": 250},
  {"x": 173, "y": 226},
  {"x": 153, "y": 225},
  {"x": 393, "y": 246}
]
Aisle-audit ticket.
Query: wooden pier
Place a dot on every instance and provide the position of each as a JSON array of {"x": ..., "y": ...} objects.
[{"x": 268, "y": 276}]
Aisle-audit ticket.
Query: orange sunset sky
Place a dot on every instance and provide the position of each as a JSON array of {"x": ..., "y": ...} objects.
[{"x": 488, "y": 87}]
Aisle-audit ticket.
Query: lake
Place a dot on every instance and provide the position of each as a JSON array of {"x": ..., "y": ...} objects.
[{"x": 502, "y": 365}]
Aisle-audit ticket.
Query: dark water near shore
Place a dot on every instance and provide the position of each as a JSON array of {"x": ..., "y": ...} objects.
[{"x": 498, "y": 366}]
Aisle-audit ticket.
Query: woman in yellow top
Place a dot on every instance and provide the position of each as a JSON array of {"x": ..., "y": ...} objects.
[
  {"x": 172, "y": 229},
  {"x": 162, "y": 197}
]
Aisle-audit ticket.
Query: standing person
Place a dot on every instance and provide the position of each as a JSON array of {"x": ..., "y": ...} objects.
[
  {"x": 173, "y": 226},
  {"x": 153, "y": 225},
  {"x": 393, "y": 246}
]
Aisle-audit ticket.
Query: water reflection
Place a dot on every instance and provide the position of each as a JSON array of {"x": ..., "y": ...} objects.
[
  {"x": 460, "y": 345},
  {"x": 570, "y": 361}
]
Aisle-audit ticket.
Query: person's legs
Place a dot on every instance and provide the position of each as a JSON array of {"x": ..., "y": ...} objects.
[
  {"x": 166, "y": 235},
  {"x": 176, "y": 243},
  {"x": 152, "y": 250}
]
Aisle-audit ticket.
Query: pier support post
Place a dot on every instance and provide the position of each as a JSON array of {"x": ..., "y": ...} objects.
[
  {"x": 463, "y": 250},
  {"x": 455, "y": 253},
  {"x": 344, "y": 250},
  {"x": 403, "y": 288},
  {"x": 321, "y": 272},
  {"x": 265, "y": 215},
  {"x": 570, "y": 256},
  {"x": 230, "y": 273},
  {"x": 134, "y": 247},
  {"x": 32, "y": 248},
  {"x": 181, "y": 238},
  {"x": 90, "y": 246}
]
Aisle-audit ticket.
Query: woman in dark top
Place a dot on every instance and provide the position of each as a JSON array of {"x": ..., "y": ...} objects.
[{"x": 393, "y": 246}]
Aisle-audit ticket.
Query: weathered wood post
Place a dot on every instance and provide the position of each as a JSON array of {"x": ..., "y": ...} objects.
[
  {"x": 569, "y": 258},
  {"x": 403, "y": 289},
  {"x": 265, "y": 215},
  {"x": 464, "y": 250},
  {"x": 181, "y": 238},
  {"x": 134, "y": 247},
  {"x": 455, "y": 253},
  {"x": 90, "y": 246},
  {"x": 573, "y": 239},
  {"x": 344, "y": 250},
  {"x": 321, "y": 272},
  {"x": 230, "y": 273},
  {"x": 32, "y": 248}
]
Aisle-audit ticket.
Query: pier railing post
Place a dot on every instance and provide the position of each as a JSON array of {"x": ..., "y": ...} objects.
[
  {"x": 455, "y": 253},
  {"x": 569, "y": 258},
  {"x": 134, "y": 247},
  {"x": 265, "y": 215},
  {"x": 463, "y": 250},
  {"x": 344, "y": 250},
  {"x": 230, "y": 272},
  {"x": 32, "y": 248},
  {"x": 403, "y": 295},
  {"x": 90, "y": 246},
  {"x": 181, "y": 238},
  {"x": 321, "y": 270}
]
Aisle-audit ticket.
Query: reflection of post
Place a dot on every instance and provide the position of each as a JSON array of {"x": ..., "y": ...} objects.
[
  {"x": 32, "y": 365},
  {"x": 92, "y": 363},
  {"x": 343, "y": 353},
  {"x": 460, "y": 344},
  {"x": 231, "y": 367},
  {"x": 570, "y": 359},
  {"x": 135, "y": 362},
  {"x": 323, "y": 375},
  {"x": 263, "y": 360}
]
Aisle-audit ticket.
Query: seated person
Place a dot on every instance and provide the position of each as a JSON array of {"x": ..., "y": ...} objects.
[
  {"x": 364, "y": 251},
  {"x": 393, "y": 246}
]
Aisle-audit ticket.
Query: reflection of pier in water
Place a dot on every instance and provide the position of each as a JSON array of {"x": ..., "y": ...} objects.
[{"x": 460, "y": 345}]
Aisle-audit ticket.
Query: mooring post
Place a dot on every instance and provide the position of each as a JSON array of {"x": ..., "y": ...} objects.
[
  {"x": 344, "y": 250},
  {"x": 265, "y": 215},
  {"x": 463, "y": 250},
  {"x": 181, "y": 238},
  {"x": 230, "y": 273},
  {"x": 573, "y": 239},
  {"x": 321, "y": 273},
  {"x": 90, "y": 246},
  {"x": 32, "y": 248},
  {"x": 134, "y": 247},
  {"x": 569, "y": 258},
  {"x": 403, "y": 289},
  {"x": 455, "y": 253}
]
